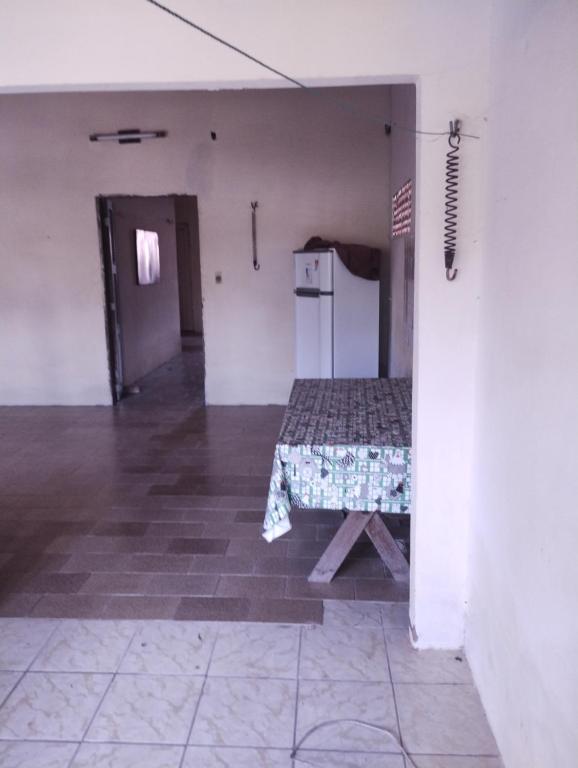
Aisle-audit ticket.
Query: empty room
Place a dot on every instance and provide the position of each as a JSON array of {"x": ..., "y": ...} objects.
[{"x": 287, "y": 335}]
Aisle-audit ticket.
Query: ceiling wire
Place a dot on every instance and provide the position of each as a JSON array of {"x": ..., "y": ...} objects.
[
  {"x": 220, "y": 40},
  {"x": 290, "y": 79}
]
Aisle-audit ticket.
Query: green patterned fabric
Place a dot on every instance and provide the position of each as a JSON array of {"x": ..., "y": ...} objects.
[{"x": 344, "y": 445}]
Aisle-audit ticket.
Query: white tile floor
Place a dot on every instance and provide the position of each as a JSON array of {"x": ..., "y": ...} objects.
[{"x": 166, "y": 694}]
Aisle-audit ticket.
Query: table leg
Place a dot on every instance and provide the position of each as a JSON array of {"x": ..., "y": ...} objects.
[
  {"x": 348, "y": 533},
  {"x": 339, "y": 547},
  {"x": 388, "y": 550}
]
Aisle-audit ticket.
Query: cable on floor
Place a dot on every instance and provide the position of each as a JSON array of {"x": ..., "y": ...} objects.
[{"x": 352, "y": 721}]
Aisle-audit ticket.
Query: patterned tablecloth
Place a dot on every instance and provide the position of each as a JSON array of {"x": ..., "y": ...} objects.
[{"x": 345, "y": 444}]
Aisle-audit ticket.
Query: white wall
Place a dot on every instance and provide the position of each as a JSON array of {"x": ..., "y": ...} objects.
[
  {"x": 522, "y": 638},
  {"x": 314, "y": 167},
  {"x": 443, "y": 47}
]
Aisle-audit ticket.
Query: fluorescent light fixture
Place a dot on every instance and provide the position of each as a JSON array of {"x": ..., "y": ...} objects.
[{"x": 129, "y": 136}]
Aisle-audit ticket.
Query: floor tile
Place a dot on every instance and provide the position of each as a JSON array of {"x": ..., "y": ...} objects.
[
  {"x": 71, "y": 606},
  {"x": 154, "y": 709},
  {"x": 320, "y": 701},
  {"x": 127, "y": 756},
  {"x": 443, "y": 719},
  {"x": 221, "y": 564},
  {"x": 170, "y": 648},
  {"x": 395, "y": 615},
  {"x": 285, "y": 566},
  {"x": 7, "y": 682},
  {"x": 350, "y": 613},
  {"x": 198, "y": 546},
  {"x": 18, "y": 604},
  {"x": 236, "y": 757},
  {"x": 324, "y": 532},
  {"x": 249, "y": 650},
  {"x": 40, "y": 754},
  {"x": 33, "y": 562},
  {"x": 298, "y": 548},
  {"x": 338, "y": 589},
  {"x": 281, "y": 611},
  {"x": 116, "y": 584},
  {"x": 332, "y": 653},
  {"x": 95, "y": 562},
  {"x": 251, "y": 515},
  {"x": 84, "y": 645},
  {"x": 213, "y": 609},
  {"x": 182, "y": 584},
  {"x": 251, "y": 713},
  {"x": 55, "y": 583},
  {"x": 160, "y": 563},
  {"x": 119, "y": 529},
  {"x": 257, "y": 547},
  {"x": 208, "y": 515},
  {"x": 364, "y": 568},
  {"x": 251, "y": 586},
  {"x": 349, "y": 760},
  {"x": 387, "y": 590},
  {"x": 52, "y": 706},
  {"x": 236, "y": 530},
  {"x": 409, "y": 665},
  {"x": 21, "y": 639},
  {"x": 140, "y": 607},
  {"x": 179, "y": 530}
]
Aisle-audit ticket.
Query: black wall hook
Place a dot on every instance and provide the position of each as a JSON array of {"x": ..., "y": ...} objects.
[{"x": 254, "y": 206}]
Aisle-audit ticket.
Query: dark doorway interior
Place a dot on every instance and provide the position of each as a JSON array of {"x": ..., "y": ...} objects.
[
  {"x": 154, "y": 320},
  {"x": 384, "y": 314}
]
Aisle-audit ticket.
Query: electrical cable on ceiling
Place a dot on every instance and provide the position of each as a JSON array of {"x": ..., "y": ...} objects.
[
  {"x": 433, "y": 133},
  {"x": 292, "y": 80}
]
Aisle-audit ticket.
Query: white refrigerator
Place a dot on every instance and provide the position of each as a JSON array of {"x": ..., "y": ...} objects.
[{"x": 337, "y": 319}]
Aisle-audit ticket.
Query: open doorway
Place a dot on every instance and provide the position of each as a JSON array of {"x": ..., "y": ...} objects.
[
  {"x": 337, "y": 184},
  {"x": 153, "y": 308}
]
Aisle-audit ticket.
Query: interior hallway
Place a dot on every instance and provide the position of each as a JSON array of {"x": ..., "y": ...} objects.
[{"x": 153, "y": 509}]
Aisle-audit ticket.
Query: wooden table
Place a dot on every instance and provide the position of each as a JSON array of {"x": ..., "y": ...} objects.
[{"x": 345, "y": 444}]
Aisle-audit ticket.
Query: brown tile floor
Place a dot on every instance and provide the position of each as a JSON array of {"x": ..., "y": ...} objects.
[{"x": 153, "y": 509}]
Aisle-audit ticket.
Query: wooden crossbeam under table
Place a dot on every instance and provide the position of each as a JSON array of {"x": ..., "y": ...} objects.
[{"x": 349, "y": 531}]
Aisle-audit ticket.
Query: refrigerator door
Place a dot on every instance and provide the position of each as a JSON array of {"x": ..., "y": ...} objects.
[
  {"x": 314, "y": 315},
  {"x": 314, "y": 270},
  {"x": 326, "y": 259},
  {"x": 356, "y": 325}
]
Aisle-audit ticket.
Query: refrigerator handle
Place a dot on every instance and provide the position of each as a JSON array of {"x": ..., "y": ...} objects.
[{"x": 311, "y": 293}]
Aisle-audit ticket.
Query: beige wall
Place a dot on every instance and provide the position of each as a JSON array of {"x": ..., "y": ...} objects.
[
  {"x": 314, "y": 167},
  {"x": 522, "y": 637}
]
